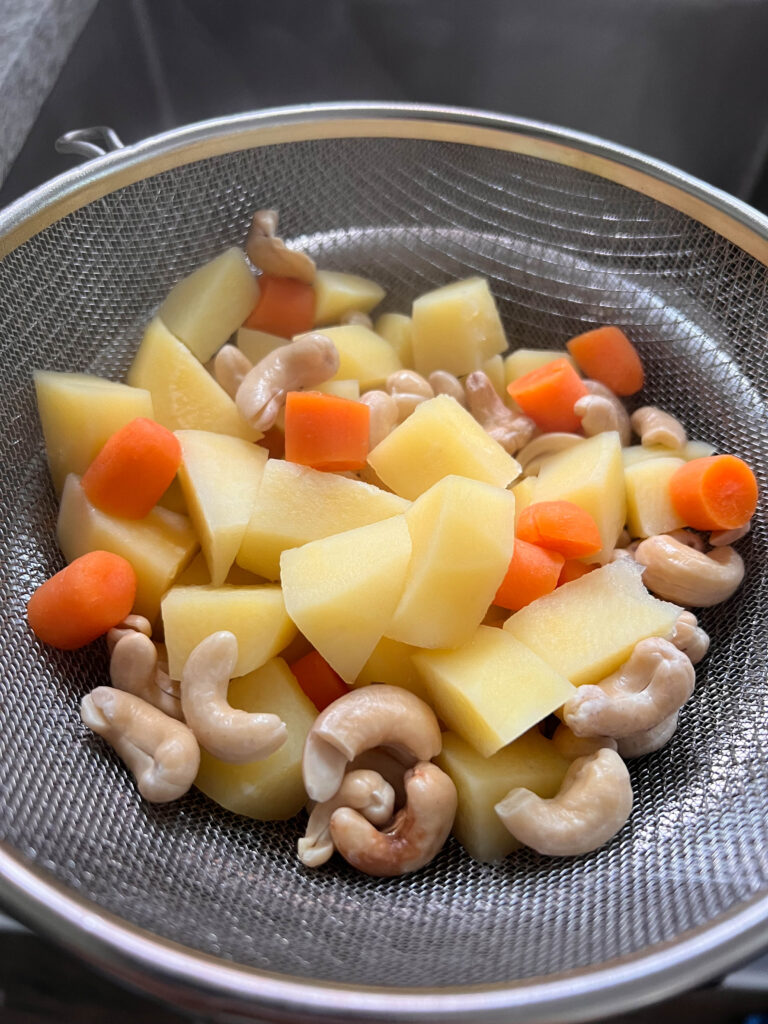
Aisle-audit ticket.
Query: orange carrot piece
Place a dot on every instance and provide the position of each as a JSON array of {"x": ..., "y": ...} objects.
[
  {"x": 325, "y": 431},
  {"x": 572, "y": 570},
  {"x": 133, "y": 469},
  {"x": 718, "y": 492},
  {"x": 318, "y": 680},
  {"x": 285, "y": 307},
  {"x": 548, "y": 395},
  {"x": 83, "y": 601},
  {"x": 606, "y": 354},
  {"x": 532, "y": 573},
  {"x": 560, "y": 526}
]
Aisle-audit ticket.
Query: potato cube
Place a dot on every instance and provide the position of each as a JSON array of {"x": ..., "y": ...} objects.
[
  {"x": 649, "y": 506},
  {"x": 438, "y": 439},
  {"x": 642, "y": 453},
  {"x": 349, "y": 389},
  {"x": 493, "y": 368},
  {"x": 456, "y": 328},
  {"x": 337, "y": 294},
  {"x": 397, "y": 329},
  {"x": 390, "y": 662},
  {"x": 363, "y": 355},
  {"x": 255, "y": 345},
  {"x": 523, "y": 360}
]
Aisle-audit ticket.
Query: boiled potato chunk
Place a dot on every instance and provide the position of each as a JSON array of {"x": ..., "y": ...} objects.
[
  {"x": 184, "y": 395},
  {"x": 220, "y": 476},
  {"x": 341, "y": 590},
  {"x": 296, "y": 504},
  {"x": 523, "y": 491},
  {"x": 481, "y": 782},
  {"x": 649, "y": 506},
  {"x": 337, "y": 294},
  {"x": 203, "y": 309},
  {"x": 272, "y": 789},
  {"x": 587, "y": 628},
  {"x": 255, "y": 345},
  {"x": 79, "y": 413},
  {"x": 363, "y": 355},
  {"x": 524, "y": 360},
  {"x": 397, "y": 329},
  {"x": 158, "y": 546},
  {"x": 349, "y": 389},
  {"x": 463, "y": 535},
  {"x": 456, "y": 328},
  {"x": 494, "y": 370},
  {"x": 438, "y": 439},
  {"x": 642, "y": 453},
  {"x": 390, "y": 662}
]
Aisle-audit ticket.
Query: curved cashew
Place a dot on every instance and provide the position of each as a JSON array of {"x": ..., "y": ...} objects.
[
  {"x": 444, "y": 383},
  {"x": 681, "y": 574},
  {"x": 654, "y": 426},
  {"x": 130, "y": 624},
  {"x": 654, "y": 682},
  {"x": 533, "y": 454},
  {"x": 408, "y": 382},
  {"x": 405, "y": 404},
  {"x": 390, "y": 764},
  {"x": 414, "y": 837},
  {"x": 269, "y": 253},
  {"x": 688, "y": 538},
  {"x": 357, "y": 318},
  {"x": 230, "y": 368},
  {"x": 373, "y": 716},
  {"x": 641, "y": 743},
  {"x": 305, "y": 363},
  {"x": 722, "y": 538},
  {"x": 512, "y": 430},
  {"x": 229, "y": 734},
  {"x": 572, "y": 746},
  {"x": 384, "y": 415},
  {"x": 162, "y": 754},
  {"x": 599, "y": 414},
  {"x": 364, "y": 791},
  {"x": 689, "y": 637},
  {"x": 133, "y": 667}
]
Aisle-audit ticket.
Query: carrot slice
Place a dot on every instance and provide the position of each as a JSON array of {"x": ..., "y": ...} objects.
[
  {"x": 548, "y": 395},
  {"x": 718, "y": 492},
  {"x": 606, "y": 354},
  {"x": 560, "y": 526},
  {"x": 572, "y": 570},
  {"x": 318, "y": 680},
  {"x": 532, "y": 573},
  {"x": 325, "y": 431},
  {"x": 83, "y": 601},
  {"x": 285, "y": 307}
]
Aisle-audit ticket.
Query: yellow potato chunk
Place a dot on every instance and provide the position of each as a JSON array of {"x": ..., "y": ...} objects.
[
  {"x": 220, "y": 476},
  {"x": 363, "y": 355},
  {"x": 158, "y": 546},
  {"x": 203, "y": 309},
  {"x": 481, "y": 782},
  {"x": 296, "y": 504},
  {"x": 390, "y": 662},
  {"x": 337, "y": 293},
  {"x": 438, "y": 439},
  {"x": 642, "y": 453},
  {"x": 523, "y": 360},
  {"x": 494, "y": 370},
  {"x": 397, "y": 329},
  {"x": 523, "y": 491},
  {"x": 349, "y": 389},
  {"x": 587, "y": 628},
  {"x": 341, "y": 590},
  {"x": 463, "y": 535},
  {"x": 184, "y": 395},
  {"x": 491, "y": 690},
  {"x": 256, "y": 344},
  {"x": 272, "y": 789},
  {"x": 79, "y": 413},
  {"x": 456, "y": 328},
  {"x": 256, "y": 615},
  {"x": 649, "y": 506}
]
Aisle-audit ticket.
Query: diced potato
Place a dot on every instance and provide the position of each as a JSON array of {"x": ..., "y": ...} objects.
[
  {"x": 203, "y": 309},
  {"x": 494, "y": 370},
  {"x": 523, "y": 492},
  {"x": 272, "y": 789},
  {"x": 456, "y": 328},
  {"x": 481, "y": 782},
  {"x": 341, "y": 388},
  {"x": 158, "y": 546},
  {"x": 341, "y": 590},
  {"x": 256, "y": 616},
  {"x": 397, "y": 329},
  {"x": 463, "y": 534},
  {"x": 697, "y": 450},
  {"x": 184, "y": 395},
  {"x": 523, "y": 360},
  {"x": 587, "y": 628},
  {"x": 390, "y": 662},
  {"x": 256, "y": 344},
  {"x": 296, "y": 504},
  {"x": 438, "y": 439},
  {"x": 363, "y": 355},
  {"x": 591, "y": 475},
  {"x": 649, "y": 506},
  {"x": 197, "y": 575},
  {"x": 337, "y": 294},
  {"x": 79, "y": 413},
  {"x": 642, "y": 453},
  {"x": 220, "y": 477},
  {"x": 491, "y": 690}
]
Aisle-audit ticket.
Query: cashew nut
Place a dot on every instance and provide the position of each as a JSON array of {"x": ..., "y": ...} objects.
[
  {"x": 599, "y": 414},
  {"x": 162, "y": 754},
  {"x": 231, "y": 735},
  {"x": 512, "y": 430},
  {"x": 384, "y": 415},
  {"x": 130, "y": 624},
  {"x": 305, "y": 363},
  {"x": 641, "y": 743},
  {"x": 591, "y": 806},
  {"x": 230, "y": 368},
  {"x": 689, "y": 637},
  {"x": 270, "y": 254},
  {"x": 681, "y": 574},
  {"x": 532, "y": 455},
  {"x": 373, "y": 716},
  {"x": 408, "y": 382},
  {"x": 654, "y": 426},
  {"x": 357, "y": 318},
  {"x": 390, "y": 764},
  {"x": 364, "y": 791},
  {"x": 133, "y": 667},
  {"x": 654, "y": 682},
  {"x": 572, "y": 746},
  {"x": 444, "y": 383},
  {"x": 415, "y": 835},
  {"x": 686, "y": 537},
  {"x": 721, "y": 538}
]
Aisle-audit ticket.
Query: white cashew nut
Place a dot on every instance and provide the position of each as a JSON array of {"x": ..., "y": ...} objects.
[
  {"x": 532, "y": 455},
  {"x": 572, "y": 746},
  {"x": 591, "y": 806},
  {"x": 134, "y": 668},
  {"x": 654, "y": 426},
  {"x": 230, "y": 734},
  {"x": 390, "y": 764},
  {"x": 722, "y": 538},
  {"x": 356, "y": 317},
  {"x": 384, "y": 415},
  {"x": 641, "y": 743},
  {"x": 599, "y": 414},
  {"x": 444, "y": 383},
  {"x": 512, "y": 430},
  {"x": 230, "y": 368},
  {"x": 689, "y": 637},
  {"x": 408, "y": 382},
  {"x": 162, "y": 754},
  {"x": 686, "y": 576},
  {"x": 130, "y": 624},
  {"x": 687, "y": 537},
  {"x": 270, "y": 254}
]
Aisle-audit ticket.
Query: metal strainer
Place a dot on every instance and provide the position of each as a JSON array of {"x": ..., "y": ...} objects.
[{"x": 213, "y": 911}]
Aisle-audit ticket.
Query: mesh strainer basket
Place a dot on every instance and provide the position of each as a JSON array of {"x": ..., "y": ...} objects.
[{"x": 212, "y": 911}]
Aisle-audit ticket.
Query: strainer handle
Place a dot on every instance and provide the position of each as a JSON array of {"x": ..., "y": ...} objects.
[{"x": 95, "y": 141}]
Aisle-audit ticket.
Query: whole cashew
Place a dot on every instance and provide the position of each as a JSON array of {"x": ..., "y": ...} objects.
[
  {"x": 408, "y": 382},
  {"x": 444, "y": 383},
  {"x": 686, "y": 576},
  {"x": 372, "y": 716},
  {"x": 654, "y": 426},
  {"x": 269, "y": 253},
  {"x": 229, "y": 734},
  {"x": 512, "y": 430},
  {"x": 687, "y": 537},
  {"x": 306, "y": 362},
  {"x": 390, "y": 764},
  {"x": 356, "y": 317},
  {"x": 364, "y": 791},
  {"x": 654, "y": 682},
  {"x": 162, "y": 754},
  {"x": 599, "y": 414},
  {"x": 133, "y": 667},
  {"x": 384, "y": 415},
  {"x": 572, "y": 746},
  {"x": 415, "y": 835},
  {"x": 593, "y": 803},
  {"x": 230, "y": 368},
  {"x": 533, "y": 454},
  {"x": 130, "y": 624},
  {"x": 641, "y": 743},
  {"x": 689, "y": 637},
  {"x": 721, "y": 538}
]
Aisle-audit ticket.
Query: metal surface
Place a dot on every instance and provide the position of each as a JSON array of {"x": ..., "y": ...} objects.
[
  {"x": 213, "y": 911},
  {"x": 89, "y": 142}
]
